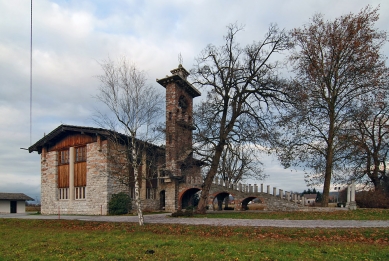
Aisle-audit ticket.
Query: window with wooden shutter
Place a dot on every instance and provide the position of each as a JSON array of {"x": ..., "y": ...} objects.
[
  {"x": 63, "y": 157},
  {"x": 81, "y": 154}
]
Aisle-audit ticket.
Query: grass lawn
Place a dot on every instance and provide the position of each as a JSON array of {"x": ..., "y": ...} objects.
[
  {"x": 22, "y": 239},
  {"x": 359, "y": 214}
]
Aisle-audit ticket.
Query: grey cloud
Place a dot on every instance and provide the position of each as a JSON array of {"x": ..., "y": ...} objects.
[{"x": 70, "y": 37}]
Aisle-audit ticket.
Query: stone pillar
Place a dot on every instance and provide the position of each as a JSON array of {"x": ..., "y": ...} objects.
[
  {"x": 240, "y": 186},
  {"x": 250, "y": 188},
  {"x": 352, "y": 204},
  {"x": 256, "y": 188},
  {"x": 274, "y": 191},
  {"x": 268, "y": 189},
  {"x": 348, "y": 194},
  {"x": 352, "y": 196},
  {"x": 303, "y": 201},
  {"x": 170, "y": 196},
  {"x": 288, "y": 196},
  {"x": 261, "y": 188},
  {"x": 281, "y": 192}
]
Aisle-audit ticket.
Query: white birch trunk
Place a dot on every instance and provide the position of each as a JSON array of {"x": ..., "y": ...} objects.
[{"x": 137, "y": 194}]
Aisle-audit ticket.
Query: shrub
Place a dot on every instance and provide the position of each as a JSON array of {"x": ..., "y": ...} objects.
[
  {"x": 119, "y": 204},
  {"x": 372, "y": 199}
]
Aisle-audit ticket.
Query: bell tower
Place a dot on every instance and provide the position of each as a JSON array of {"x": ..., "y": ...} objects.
[{"x": 179, "y": 127}]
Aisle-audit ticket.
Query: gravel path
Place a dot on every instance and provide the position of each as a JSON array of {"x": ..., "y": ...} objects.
[{"x": 166, "y": 219}]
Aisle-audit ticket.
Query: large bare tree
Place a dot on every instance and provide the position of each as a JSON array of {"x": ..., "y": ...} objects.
[
  {"x": 134, "y": 109},
  {"x": 369, "y": 142},
  {"x": 241, "y": 83},
  {"x": 239, "y": 162},
  {"x": 336, "y": 63}
]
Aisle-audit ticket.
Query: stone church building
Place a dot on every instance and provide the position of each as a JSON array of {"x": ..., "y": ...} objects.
[{"x": 80, "y": 166}]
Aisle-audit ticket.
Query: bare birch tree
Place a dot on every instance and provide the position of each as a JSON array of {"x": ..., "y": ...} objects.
[{"x": 134, "y": 108}]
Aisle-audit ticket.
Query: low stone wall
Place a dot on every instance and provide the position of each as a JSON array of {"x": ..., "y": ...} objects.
[
  {"x": 277, "y": 204},
  {"x": 147, "y": 205}
]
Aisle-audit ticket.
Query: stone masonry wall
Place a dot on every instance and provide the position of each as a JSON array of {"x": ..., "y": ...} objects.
[
  {"x": 49, "y": 177},
  {"x": 96, "y": 200}
]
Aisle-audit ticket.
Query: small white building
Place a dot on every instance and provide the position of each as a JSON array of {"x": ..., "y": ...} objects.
[
  {"x": 310, "y": 199},
  {"x": 13, "y": 202}
]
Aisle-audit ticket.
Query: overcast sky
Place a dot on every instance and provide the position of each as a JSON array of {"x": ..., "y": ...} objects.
[{"x": 70, "y": 37}]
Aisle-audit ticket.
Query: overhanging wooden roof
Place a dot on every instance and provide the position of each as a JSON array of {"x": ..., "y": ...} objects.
[
  {"x": 63, "y": 130},
  {"x": 14, "y": 196}
]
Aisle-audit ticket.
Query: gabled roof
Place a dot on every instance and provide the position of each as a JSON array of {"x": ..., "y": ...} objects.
[
  {"x": 14, "y": 196},
  {"x": 63, "y": 130},
  {"x": 310, "y": 196}
]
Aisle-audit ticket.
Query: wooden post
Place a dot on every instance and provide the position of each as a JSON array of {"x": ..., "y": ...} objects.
[{"x": 72, "y": 159}]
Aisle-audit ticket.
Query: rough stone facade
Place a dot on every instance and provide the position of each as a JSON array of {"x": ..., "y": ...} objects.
[
  {"x": 49, "y": 193},
  {"x": 96, "y": 199}
]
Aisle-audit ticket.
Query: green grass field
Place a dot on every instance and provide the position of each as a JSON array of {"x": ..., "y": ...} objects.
[
  {"x": 359, "y": 214},
  {"x": 22, "y": 239}
]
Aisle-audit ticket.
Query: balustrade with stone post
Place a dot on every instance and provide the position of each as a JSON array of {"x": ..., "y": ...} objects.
[{"x": 288, "y": 196}]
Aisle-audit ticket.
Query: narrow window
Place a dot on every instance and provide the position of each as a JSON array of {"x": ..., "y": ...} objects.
[
  {"x": 63, "y": 157},
  {"x": 81, "y": 154}
]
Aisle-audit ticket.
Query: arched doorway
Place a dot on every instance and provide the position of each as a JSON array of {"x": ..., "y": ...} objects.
[
  {"x": 162, "y": 200},
  {"x": 190, "y": 198}
]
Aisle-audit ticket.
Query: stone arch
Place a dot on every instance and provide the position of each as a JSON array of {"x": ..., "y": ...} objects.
[
  {"x": 246, "y": 201},
  {"x": 220, "y": 197},
  {"x": 187, "y": 198}
]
